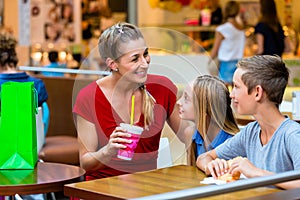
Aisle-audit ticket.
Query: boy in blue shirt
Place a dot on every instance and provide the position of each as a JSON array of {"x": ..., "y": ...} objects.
[{"x": 271, "y": 143}]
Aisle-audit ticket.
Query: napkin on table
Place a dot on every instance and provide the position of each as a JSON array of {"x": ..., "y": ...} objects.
[{"x": 211, "y": 180}]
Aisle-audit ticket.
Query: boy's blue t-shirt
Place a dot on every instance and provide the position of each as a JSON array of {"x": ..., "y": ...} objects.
[{"x": 280, "y": 154}]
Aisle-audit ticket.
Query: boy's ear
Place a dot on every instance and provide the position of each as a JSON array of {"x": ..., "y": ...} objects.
[{"x": 258, "y": 92}]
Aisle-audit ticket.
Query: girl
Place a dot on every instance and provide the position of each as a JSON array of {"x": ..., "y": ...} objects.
[{"x": 207, "y": 104}]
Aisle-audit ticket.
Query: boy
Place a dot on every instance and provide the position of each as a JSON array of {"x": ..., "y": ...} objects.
[{"x": 271, "y": 143}]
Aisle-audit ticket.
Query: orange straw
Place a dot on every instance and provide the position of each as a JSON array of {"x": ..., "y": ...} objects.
[{"x": 132, "y": 110}]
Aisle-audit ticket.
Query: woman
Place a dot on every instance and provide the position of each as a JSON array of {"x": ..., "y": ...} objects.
[
  {"x": 207, "y": 104},
  {"x": 104, "y": 104},
  {"x": 269, "y": 33},
  {"x": 229, "y": 42}
]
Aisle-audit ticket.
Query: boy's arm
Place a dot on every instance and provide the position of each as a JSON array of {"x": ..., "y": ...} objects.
[{"x": 289, "y": 185}]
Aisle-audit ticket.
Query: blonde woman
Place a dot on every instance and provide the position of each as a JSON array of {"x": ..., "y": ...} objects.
[
  {"x": 104, "y": 104},
  {"x": 207, "y": 104}
]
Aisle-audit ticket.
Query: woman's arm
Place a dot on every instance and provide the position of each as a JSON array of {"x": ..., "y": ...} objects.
[
  {"x": 91, "y": 155},
  {"x": 260, "y": 43}
]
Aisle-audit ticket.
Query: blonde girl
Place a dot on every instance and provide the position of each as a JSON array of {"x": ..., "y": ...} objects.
[{"x": 208, "y": 105}]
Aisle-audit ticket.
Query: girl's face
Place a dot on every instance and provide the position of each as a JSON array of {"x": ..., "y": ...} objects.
[
  {"x": 134, "y": 64},
  {"x": 185, "y": 103}
]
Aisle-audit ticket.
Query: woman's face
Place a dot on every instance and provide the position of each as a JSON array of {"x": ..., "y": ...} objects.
[
  {"x": 185, "y": 103},
  {"x": 134, "y": 63}
]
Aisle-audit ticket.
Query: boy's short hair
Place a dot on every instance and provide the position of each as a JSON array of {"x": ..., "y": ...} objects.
[{"x": 269, "y": 71}]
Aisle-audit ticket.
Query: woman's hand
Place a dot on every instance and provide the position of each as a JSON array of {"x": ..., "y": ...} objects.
[{"x": 117, "y": 140}]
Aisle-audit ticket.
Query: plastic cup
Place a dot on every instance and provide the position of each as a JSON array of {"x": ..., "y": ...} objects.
[
  {"x": 135, "y": 131},
  {"x": 205, "y": 17}
]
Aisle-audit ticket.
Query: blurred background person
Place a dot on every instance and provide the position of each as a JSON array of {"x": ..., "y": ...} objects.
[
  {"x": 292, "y": 34},
  {"x": 229, "y": 42},
  {"x": 54, "y": 63},
  {"x": 269, "y": 34},
  {"x": 106, "y": 18}
]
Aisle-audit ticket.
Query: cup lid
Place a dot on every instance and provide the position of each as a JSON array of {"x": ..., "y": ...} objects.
[{"x": 136, "y": 129}]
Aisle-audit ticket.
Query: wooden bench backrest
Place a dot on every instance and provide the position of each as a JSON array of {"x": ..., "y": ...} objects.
[{"x": 61, "y": 92}]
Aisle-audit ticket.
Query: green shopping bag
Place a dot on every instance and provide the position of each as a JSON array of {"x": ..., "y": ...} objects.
[{"x": 18, "y": 142}]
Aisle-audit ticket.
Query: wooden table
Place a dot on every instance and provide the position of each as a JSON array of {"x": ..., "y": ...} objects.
[
  {"x": 150, "y": 183},
  {"x": 45, "y": 178}
]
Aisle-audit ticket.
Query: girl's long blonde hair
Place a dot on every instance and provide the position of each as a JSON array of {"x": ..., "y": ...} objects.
[{"x": 212, "y": 104}]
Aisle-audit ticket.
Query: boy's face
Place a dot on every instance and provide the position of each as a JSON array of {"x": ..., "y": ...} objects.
[{"x": 243, "y": 103}]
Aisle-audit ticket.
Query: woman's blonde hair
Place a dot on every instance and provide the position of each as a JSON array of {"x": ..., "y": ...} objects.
[
  {"x": 114, "y": 37},
  {"x": 212, "y": 104},
  {"x": 110, "y": 43},
  {"x": 148, "y": 106}
]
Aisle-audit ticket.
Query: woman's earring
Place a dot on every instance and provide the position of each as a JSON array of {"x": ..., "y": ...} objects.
[{"x": 116, "y": 70}]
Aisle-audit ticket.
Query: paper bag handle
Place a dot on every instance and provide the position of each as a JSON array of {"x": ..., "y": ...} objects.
[
  {"x": 0, "y": 102},
  {"x": 36, "y": 97}
]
